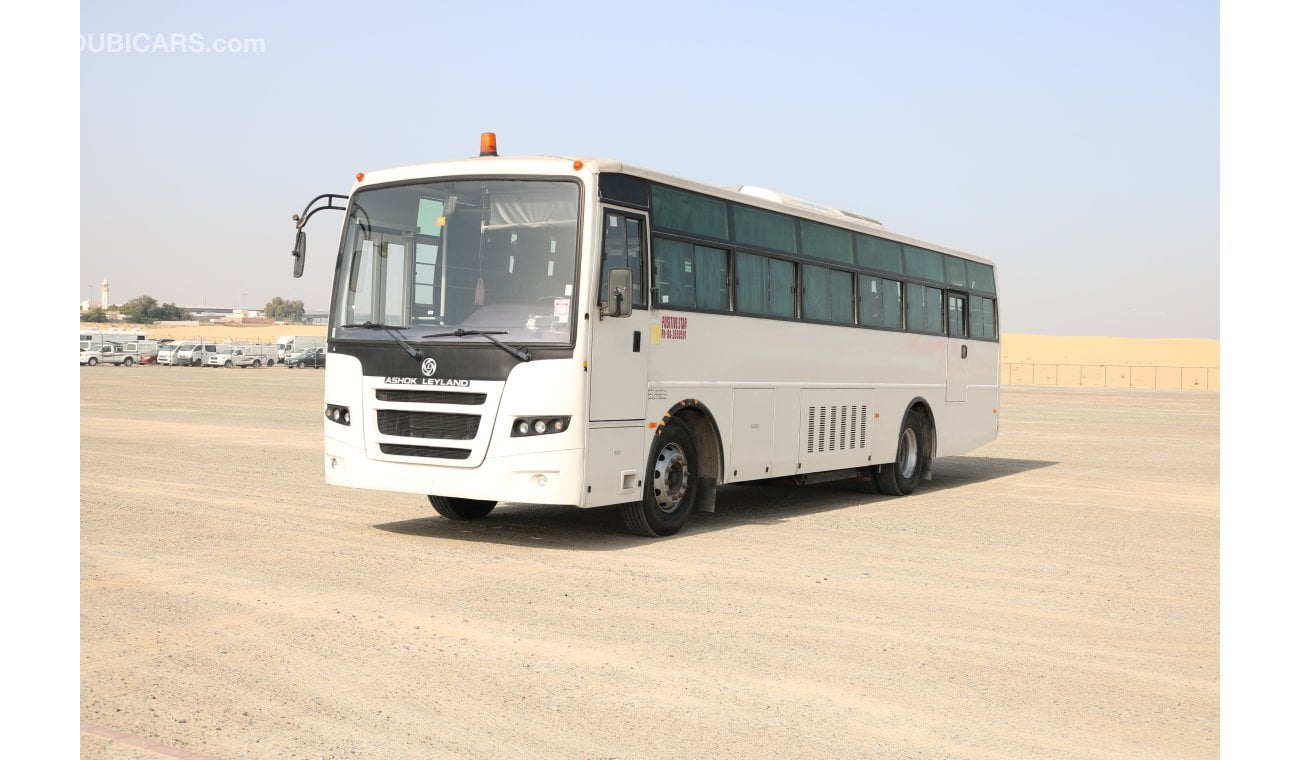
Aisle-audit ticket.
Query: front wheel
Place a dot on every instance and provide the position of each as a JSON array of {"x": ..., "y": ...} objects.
[
  {"x": 455, "y": 508},
  {"x": 257, "y": 364},
  {"x": 901, "y": 477},
  {"x": 672, "y": 482},
  {"x": 127, "y": 362},
  {"x": 92, "y": 361}
]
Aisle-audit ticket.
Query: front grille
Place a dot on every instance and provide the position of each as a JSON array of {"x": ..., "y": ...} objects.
[
  {"x": 462, "y": 427},
  {"x": 433, "y": 452},
  {"x": 431, "y": 397}
]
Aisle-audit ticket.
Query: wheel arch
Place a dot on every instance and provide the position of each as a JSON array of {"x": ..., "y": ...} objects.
[{"x": 703, "y": 427}]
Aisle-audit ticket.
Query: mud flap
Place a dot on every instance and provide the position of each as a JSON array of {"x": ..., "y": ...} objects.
[{"x": 706, "y": 499}]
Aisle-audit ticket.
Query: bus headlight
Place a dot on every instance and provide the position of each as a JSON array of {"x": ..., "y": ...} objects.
[
  {"x": 339, "y": 414},
  {"x": 525, "y": 426}
]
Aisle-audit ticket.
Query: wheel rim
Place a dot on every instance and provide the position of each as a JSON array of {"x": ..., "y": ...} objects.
[
  {"x": 672, "y": 477},
  {"x": 909, "y": 453}
]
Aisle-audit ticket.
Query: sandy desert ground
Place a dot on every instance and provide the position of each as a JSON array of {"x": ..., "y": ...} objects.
[{"x": 1053, "y": 595}]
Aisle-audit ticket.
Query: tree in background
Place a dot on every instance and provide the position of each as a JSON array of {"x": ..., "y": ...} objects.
[
  {"x": 146, "y": 309},
  {"x": 96, "y": 314},
  {"x": 285, "y": 311}
]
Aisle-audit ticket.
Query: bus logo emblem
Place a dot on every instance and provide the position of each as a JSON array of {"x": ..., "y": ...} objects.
[{"x": 428, "y": 367}]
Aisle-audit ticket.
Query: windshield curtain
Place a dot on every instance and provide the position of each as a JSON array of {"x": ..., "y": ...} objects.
[{"x": 469, "y": 254}]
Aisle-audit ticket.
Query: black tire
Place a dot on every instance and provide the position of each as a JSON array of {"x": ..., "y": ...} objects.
[
  {"x": 92, "y": 361},
  {"x": 257, "y": 364},
  {"x": 454, "y": 508},
  {"x": 672, "y": 482},
  {"x": 900, "y": 477}
]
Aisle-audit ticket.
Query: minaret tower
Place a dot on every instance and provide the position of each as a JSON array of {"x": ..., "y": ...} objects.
[{"x": 103, "y": 295}]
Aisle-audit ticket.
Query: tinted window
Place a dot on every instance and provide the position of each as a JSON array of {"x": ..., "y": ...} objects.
[
  {"x": 880, "y": 302},
  {"x": 764, "y": 228},
  {"x": 956, "y": 315},
  {"x": 691, "y": 276},
  {"x": 954, "y": 270},
  {"x": 688, "y": 212},
  {"x": 918, "y": 262},
  {"x": 924, "y": 309},
  {"x": 764, "y": 286},
  {"x": 878, "y": 253},
  {"x": 818, "y": 241},
  {"x": 981, "y": 277},
  {"x": 751, "y": 283},
  {"x": 816, "y": 293},
  {"x": 841, "y": 297},
  {"x": 983, "y": 318}
]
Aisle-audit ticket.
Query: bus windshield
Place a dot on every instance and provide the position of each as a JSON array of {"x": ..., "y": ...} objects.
[{"x": 483, "y": 255}]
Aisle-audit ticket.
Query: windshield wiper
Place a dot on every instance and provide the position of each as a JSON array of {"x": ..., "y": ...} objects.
[
  {"x": 518, "y": 353},
  {"x": 368, "y": 325}
]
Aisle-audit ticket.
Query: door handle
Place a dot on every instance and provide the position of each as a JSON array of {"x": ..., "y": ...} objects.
[
  {"x": 963, "y": 352},
  {"x": 636, "y": 341}
]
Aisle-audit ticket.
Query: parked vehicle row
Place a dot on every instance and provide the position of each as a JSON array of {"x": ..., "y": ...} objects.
[
  {"x": 124, "y": 354},
  {"x": 289, "y": 350}
]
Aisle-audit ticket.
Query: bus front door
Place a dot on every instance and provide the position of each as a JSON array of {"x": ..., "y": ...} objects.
[
  {"x": 617, "y": 369},
  {"x": 618, "y": 365}
]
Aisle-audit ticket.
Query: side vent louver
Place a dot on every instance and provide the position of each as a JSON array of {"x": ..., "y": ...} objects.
[{"x": 837, "y": 428}]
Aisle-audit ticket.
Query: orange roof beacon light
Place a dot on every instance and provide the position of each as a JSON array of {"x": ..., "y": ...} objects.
[
  {"x": 361, "y": 176},
  {"x": 487, "y": 144}
]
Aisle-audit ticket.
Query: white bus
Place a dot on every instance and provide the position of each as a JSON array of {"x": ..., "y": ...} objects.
[{"x": 584, "y": 332}]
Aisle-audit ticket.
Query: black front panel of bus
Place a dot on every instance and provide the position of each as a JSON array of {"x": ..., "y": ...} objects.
[{"x": 454, "y": 362}]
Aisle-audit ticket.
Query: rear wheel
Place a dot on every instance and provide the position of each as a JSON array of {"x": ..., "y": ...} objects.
[
  {"x": 900, "y": 477},
  {"x": 672, "y": 477},
  {"x": 127, "y": 362},
  {"x": 454, "y": 508}
]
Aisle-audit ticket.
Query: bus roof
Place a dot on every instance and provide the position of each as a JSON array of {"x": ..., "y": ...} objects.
[{"x": 565, "y": 166}]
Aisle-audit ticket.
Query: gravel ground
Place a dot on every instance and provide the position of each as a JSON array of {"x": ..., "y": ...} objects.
[{"x": 1053, "y": 595}]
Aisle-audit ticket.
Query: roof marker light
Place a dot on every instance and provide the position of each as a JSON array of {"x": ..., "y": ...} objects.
[
  {"x": 487, "y": 144},
  {"x": 361, "y": 176},
  {"x": 577, "y": 165}
]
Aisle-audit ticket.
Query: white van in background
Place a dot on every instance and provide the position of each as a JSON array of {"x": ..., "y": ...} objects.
[
  {"x": 195, "y": 354},
  {"x": 242, "y": 356}
]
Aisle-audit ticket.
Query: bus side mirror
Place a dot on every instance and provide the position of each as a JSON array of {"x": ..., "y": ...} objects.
[
  {"x": 620, "y": 293},
  {"x": 299, "y": 253}
]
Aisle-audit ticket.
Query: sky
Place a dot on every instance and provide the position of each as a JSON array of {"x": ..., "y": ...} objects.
[{"x": 1074, "y": 144}]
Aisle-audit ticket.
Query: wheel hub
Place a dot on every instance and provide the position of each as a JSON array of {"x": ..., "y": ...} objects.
[
  {"x": 909, "y": 453},
  {"x": 672, "y": 477}
]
